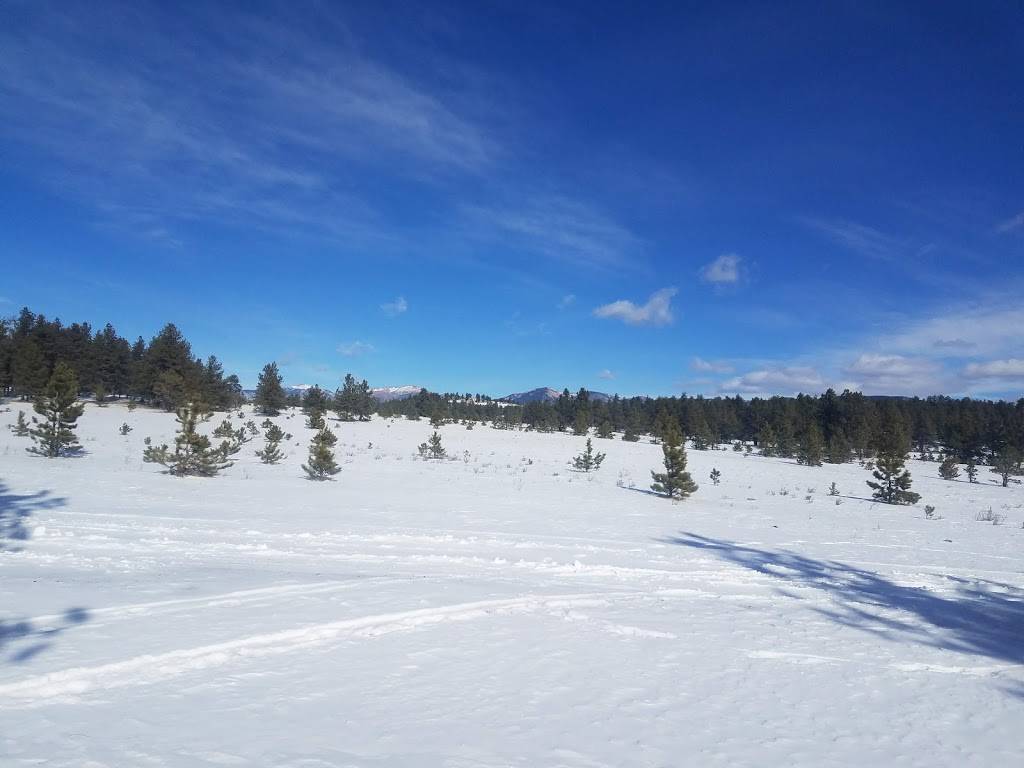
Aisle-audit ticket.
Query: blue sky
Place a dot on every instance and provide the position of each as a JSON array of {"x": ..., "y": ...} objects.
[{"x": 747, "y": 198}]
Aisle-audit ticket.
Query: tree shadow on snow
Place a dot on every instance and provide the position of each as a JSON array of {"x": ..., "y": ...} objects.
[
  {"x": 980, "y": 617},
  {"x": 26, "y": 640},
  {"x": 15, "y": 509}
]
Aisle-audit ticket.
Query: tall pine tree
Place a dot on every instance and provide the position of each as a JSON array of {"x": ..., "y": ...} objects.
[
  {"x": 675, "y": 482},
  {"x": 270, "y": 397}
]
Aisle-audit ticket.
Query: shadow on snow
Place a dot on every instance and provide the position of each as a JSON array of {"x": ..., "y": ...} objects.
[
  {"x": 15, "y": 509},
  {"x": 979, "y": 617}
]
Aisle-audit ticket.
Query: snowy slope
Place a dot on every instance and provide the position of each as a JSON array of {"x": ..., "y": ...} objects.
[{"x": 497, "y": 609}]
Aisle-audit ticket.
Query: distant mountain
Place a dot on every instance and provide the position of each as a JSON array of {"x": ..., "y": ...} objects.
[
  {"x": 383, "y": 394},
  {"x": 546, "y": 395}
]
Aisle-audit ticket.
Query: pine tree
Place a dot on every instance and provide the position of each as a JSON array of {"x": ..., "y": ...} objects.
[
  {"x": 271, "y": 451},
  {"x": 716, "y": 476},
  {"x": 54, "y": 435},
  {"x": 581, "y": 422},
  {"x": 269, "y": 398},
  {"x": 675, "y": 481},
  {"x": 354, "y": 400},
  {"x": 1006, "y": 465},
  {"x": 766, "y": 440},
  {"x": 589, "y": 460},
  {"x": 893, "y": 486},
  {"x": 316, "y": 421},
  {"x": 321, "y": 464},
  {"x": 225, "y": 430},
  {"x": 99, "y": 394},
  {"x": 972, "y": 471},
  {"x": 124, "y": 429},
  {"x": 315, "y": 401},
  {"x": 432, "y": 449},
  {"x": 604, "y": 431},
  {"x": 838, "y": 451},
  {"x": 949, "y": 469},
  {"x": 20, "y": 427},
  {"x": 193, "y": 455},
  {"x": 810, "y": 451}
]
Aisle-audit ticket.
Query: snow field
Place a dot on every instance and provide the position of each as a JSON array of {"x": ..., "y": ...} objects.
[{"x": 497, "y": 608}]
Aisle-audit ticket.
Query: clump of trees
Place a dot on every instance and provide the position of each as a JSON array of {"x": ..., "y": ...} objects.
[
  {"x": 273, "y": 435},
  {"x": 354, "y": 400}
]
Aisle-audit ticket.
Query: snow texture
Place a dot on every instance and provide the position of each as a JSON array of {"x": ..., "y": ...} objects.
[{"x": 497, "y": 609}]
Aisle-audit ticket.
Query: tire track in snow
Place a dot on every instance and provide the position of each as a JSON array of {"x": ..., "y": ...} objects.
[{"x": 151, "y": 668}]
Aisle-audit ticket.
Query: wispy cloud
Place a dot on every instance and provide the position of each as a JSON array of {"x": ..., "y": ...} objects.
[
  {"x": 656, "y": 311},
  {"x": 567, "y": 301},
  {"x": 606, "y": 374},
  {"x": 1011, "y": 224},
  {"x": 710, "y": 366},
  {"x": 261, "y": 130},
  {"x": 725, "y": 270},
  {"x": 558, "y": 228},
  {"x": 895, "y": 374},
  {"x": 862, "y": 240},
  {"x": 395, "y": 308},
  {"x": 354, "y": 348}
]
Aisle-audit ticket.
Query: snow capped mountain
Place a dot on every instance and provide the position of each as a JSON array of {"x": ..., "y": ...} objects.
[
  {"x": 383, "y": 394},
  {"x": 545, "y": 395}
]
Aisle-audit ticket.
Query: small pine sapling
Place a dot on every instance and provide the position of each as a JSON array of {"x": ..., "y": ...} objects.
[
  {"x": 971, "y": 471},
  {"x": 588, "y": 461},
  {"x": 675, "y": 481},
  {"x": 1006, "y": 464},
  {"x": 20, "y": 427},
  {"x": 226, "y": 429},
  {"x": 124, "y": 429},
  {"x": 716, "y": 476},
  {"x": 54, "y": 435},
  {"x": 321, "y": 464},
  {"x": 833, "y": 490},
  {"x": 432, "y": 449}
]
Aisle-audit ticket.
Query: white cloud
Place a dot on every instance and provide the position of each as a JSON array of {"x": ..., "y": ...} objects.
[
  {"x": 1012, "y": 223},
  {"x": 567, "y": 301},
  {"x": 896, "y": 374},
  {"x": 861, "y": 239},
  {"x": 786, "y": 380},
  {"x": 606, "y": 374},
  {"x": 354, "y": 348},
  {"x": 1012, "y": 368},
  {"x": 657, "y": 310},
  {"x": 710, "y": 366},
  {"x": 725, "y": 270},
  {"x": 395, "y": 308}
]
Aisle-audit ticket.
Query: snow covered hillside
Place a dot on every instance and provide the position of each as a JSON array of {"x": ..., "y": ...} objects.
[{"x": 497, "y": 609}]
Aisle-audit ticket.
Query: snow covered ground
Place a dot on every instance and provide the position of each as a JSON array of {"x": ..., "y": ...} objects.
[{"x": 497, "y": 609}]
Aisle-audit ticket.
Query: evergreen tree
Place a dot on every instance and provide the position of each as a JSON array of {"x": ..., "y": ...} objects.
[
  {"x": 949, "y": 469},
  {"x": 54, "y": 435},
  {"x": 1006, "y": 465},
  {"x": 581, "y": 422},
  {"x": 810, "y": 452},
  {"x": 355, "y": 400},
  {"x": 193, "y": 455},
  {"x": 716, "y": 476},
  {"x": 29, "y": 371},
  {"x": 630, "y": 435},
  {"x": 124, "y": 429},
  {"x": 99, "y": 394},
  {"x": 675, "y": 481},
  {"x": 766, "y": 440},
  {"x": 315, "y": 400},
  {"x": 321, "y": 464},
  {"x": 972, "y": 471},
  {"x": 432, "y": 449},
  {"x": 893, "y": 486},
  {"x": 589, "y": 460},
  {"x": 20, "y": 427},
  {"x": 838, "y": 451},
  {"x": 271, "y": 451},
  {"x": 316, "y": 420},
  {"x": 604, "y": 431},
  {"x": 269, "y": 398}
]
